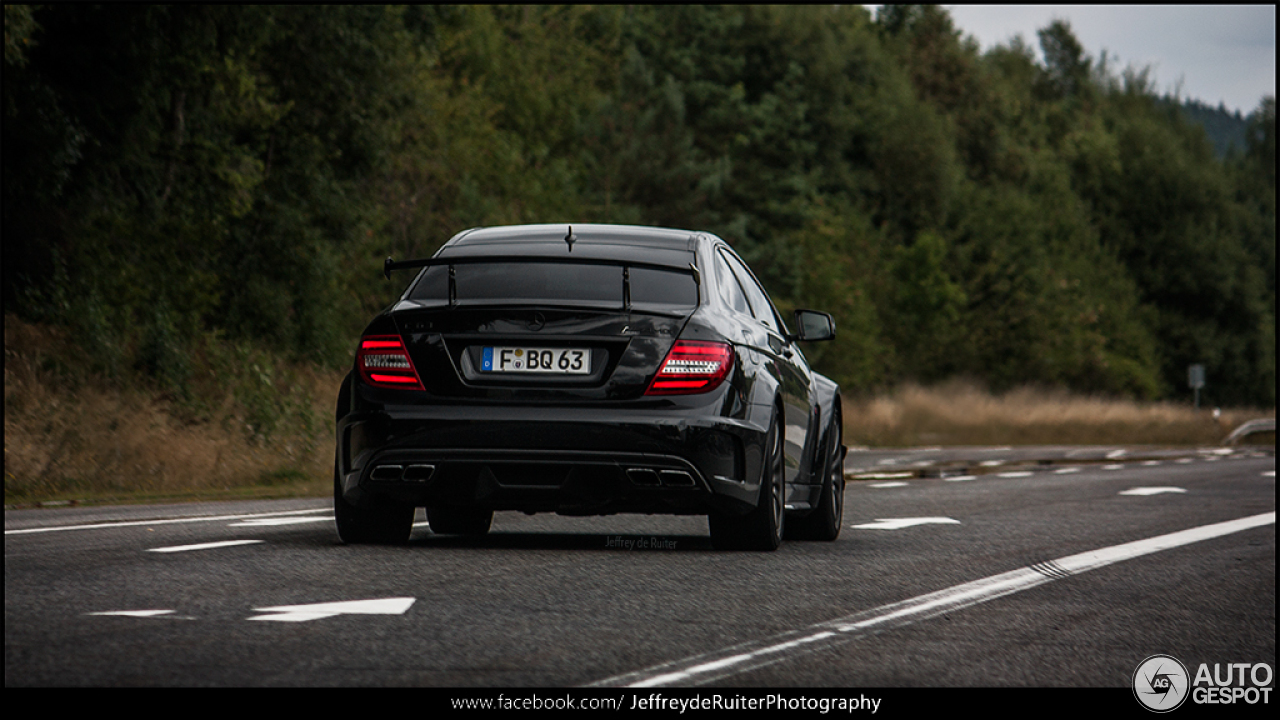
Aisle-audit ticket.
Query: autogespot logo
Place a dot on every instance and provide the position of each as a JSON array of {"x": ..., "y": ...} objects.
[{"x": 1160, "y": 683}]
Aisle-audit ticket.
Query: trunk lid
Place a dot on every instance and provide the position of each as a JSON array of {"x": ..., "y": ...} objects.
[{"x": 543, "y": 332}]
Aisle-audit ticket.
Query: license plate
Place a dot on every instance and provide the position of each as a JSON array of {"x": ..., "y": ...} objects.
[{"x": 559, "y": 361}]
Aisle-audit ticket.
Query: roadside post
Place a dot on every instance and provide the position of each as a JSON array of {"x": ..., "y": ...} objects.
[{"x": 1195, "y": 380}]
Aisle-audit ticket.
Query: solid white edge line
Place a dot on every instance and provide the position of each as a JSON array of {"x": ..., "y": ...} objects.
[
  {"x": 750, "y": 656},
  {"x": 171, "y": 521}
]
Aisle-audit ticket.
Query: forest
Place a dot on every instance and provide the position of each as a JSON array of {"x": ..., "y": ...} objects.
[{"x": 186, "y": 182}]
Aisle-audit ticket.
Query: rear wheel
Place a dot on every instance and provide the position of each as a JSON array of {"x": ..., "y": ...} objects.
[
  {"x": 381, "y": 522},
  {"x": 824, "y": 522},
  {"x": 760, "y": 529},
  {"x": 446, "y": 520}
]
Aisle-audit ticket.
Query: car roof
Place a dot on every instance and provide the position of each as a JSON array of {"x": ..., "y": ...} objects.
[{"x": 666, "y": 246}]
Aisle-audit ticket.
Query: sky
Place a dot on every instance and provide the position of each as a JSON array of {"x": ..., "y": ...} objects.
[{"x": 1215, "y": 53}]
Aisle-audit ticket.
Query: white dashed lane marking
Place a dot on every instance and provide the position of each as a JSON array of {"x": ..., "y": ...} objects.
[
  {"x": 204, "y": 546},
  {"x": 1152, "y": 490},
  {"x": 133, "y": 613},
  {"x": 319, "y": 611},
  {"x": 899, "y": 523}
]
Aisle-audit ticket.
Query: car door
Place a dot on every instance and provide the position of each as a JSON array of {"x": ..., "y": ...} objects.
[{"x": 792, "y": 370}]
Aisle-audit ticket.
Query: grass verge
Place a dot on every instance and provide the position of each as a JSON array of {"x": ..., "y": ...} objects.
[
  {"x": 247, "y": 425},
  {"x": 961, "y": 413},
  {"x": 250, "y": 425}
]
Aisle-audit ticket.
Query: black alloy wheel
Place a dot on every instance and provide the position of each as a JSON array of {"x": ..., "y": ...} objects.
[
  {"x": 825, "y": 520},
  {"x": 383, "y": 522},
  {"x": 762, "y": 528}
]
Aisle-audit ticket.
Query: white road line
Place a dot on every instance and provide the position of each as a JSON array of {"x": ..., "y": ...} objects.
[
  {"x": 1141, "y": 491},
  {"x": 319, "y": 611},
  {"x": 1119, "y": 466},
  {"x": 899, "y": 523},
  {"x": 133, "y": 613},
  {"x": 745, "y": 657},
  {"x": 272, "y": 521},
  {"x": 991, "y": 463},
  {"x": 1184, "y": 461},
  {"x": 1269, "y": 473},
  {"x": 173, "y": 521},
  {"x": 888, "y": 484},
  {"x": 203, "y": 546},
  {"x": 1115, "y": 454},
  {"x": 1066, "y": 471},
  {"x": 1151, "y": 463},
  {"x": 1018, "y": 474},
  {"x": 961, "y": 478}
]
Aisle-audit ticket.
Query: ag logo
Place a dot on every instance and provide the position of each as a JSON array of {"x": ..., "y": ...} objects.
[{"x": 1160, "y": 683}]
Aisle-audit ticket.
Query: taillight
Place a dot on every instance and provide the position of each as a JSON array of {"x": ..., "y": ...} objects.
[
  {"x": 692, "y": 367},
  {"x": 384, "y": 362}
]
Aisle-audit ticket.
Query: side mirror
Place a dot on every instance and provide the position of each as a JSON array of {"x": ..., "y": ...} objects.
[{"x": 814, "y": 325}]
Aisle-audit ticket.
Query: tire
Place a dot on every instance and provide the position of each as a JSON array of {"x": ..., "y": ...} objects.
[
  {"x": 824, "y": 522},
  {"x": 383, "y": 522},
  {"x": 446, "y": 520},
  {"x": 761, "y": 529}
]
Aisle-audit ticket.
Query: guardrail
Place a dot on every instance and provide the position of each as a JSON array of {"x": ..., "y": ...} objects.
[{"x": 1249, "y": 428}]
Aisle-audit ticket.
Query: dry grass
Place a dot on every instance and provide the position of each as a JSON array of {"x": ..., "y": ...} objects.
[
  {"x": 69, "y": 435},
  {"x": 959, "y": 413}
]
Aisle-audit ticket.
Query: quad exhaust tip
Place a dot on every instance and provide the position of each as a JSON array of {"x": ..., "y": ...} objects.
[
  {"x": 677, "y": 478},
  {"x": 648, "y": 477},
  {"x": 411, "y": 473},
  {"x": 644, "y": 476}
]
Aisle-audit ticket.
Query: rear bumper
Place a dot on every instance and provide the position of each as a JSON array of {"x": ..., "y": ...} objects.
[{"x": 568, "y": 460}]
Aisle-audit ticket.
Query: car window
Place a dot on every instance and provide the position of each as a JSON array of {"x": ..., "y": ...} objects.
[
  {"x": 557, "y": 282},
  {"x": 730, "y": 291},
  {"x": 650, "y": 286},
  {"x": 760, "y": 305}
]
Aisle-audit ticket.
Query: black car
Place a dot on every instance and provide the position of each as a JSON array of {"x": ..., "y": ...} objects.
[{"x": 588, "y": 370}]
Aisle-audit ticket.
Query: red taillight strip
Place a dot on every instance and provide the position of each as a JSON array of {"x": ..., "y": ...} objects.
[
  {"x": 692, "y": 367},
  {"x": 397, "y": 379},
  {"x": 384, "y": 361}
]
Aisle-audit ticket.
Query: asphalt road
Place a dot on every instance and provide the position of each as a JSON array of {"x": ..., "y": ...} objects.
[{"x": 1035, "y": 569}]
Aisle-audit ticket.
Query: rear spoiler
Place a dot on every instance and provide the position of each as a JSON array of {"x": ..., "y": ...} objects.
[{"x": 626, "y": 265}]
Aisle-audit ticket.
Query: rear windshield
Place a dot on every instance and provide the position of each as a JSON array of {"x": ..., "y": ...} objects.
[{"x": 557, "y": 284}]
